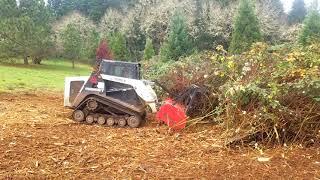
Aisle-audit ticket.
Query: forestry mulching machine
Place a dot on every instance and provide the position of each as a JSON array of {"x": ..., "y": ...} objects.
[{"x": 115, "y": 95}]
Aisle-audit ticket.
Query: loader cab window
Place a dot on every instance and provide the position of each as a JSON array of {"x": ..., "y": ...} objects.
[{"x": 120, "y": 69}]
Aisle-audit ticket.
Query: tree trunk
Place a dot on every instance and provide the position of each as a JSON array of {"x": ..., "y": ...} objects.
[
  {"x": 72, "y": 63},
  {"x": 25, "y": 60},
  {"x": 36, "y": 60}
]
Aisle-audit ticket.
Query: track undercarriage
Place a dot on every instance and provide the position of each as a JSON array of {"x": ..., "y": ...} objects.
[{"x": 94, "y": 112}]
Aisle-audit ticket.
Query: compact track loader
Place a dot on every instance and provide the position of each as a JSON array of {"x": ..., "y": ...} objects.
[{"x": 115, "y": 95}]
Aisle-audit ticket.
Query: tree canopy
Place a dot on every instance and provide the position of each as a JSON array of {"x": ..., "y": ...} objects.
[
  {"x": 94, "y": 9},
  {"x": 72, "y": 42},
  {"x": 26, "y": 29},
  {"x": 30, "y": 29}
]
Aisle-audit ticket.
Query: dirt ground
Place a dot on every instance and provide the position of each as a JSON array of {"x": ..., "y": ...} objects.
[{"x": 38, "y": 140}]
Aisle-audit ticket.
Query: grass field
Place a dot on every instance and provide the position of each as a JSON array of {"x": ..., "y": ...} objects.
[{"x": 50, "y": 75}]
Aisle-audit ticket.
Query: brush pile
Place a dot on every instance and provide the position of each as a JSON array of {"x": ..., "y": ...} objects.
[{"x": 267, "y": 94}]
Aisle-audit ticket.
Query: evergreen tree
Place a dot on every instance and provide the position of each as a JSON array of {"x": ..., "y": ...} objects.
[
  {"x": 311, "y": 28},
  {"x": 135, "y": 39},
  {"x": 72, "y": 43},
  {"x": 298, "y": 12},
  {"x": 118, "y": 47},
  {"x": 246, "y": 30},
  {"x": 36, "y": 24},
  {"x": 178, "y": 43},
  {"x": 149, "y": 50},
  {"x": 9, "y": 16},
  {"x": 26, "y": 28},
  {"x": 8, "y": 8},
  {"x": 202, "y": 39}
]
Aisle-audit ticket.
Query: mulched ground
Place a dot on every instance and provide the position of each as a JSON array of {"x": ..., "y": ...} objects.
[{"x": 38, "y": 140}]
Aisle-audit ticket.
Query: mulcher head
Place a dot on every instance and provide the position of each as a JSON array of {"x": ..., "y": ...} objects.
[{"x": 175, "y": 112}]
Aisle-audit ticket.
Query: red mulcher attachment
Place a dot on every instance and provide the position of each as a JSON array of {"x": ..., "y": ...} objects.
[
  {"x": 175, "y": 112},
  {"x": 172, "y": 114}
]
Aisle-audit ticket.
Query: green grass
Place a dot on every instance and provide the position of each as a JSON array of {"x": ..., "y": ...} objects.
[{"x": 48, "y": 76}]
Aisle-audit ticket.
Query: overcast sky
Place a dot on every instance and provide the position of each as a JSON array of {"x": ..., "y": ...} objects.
[{"x": 288, "y": 3}]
